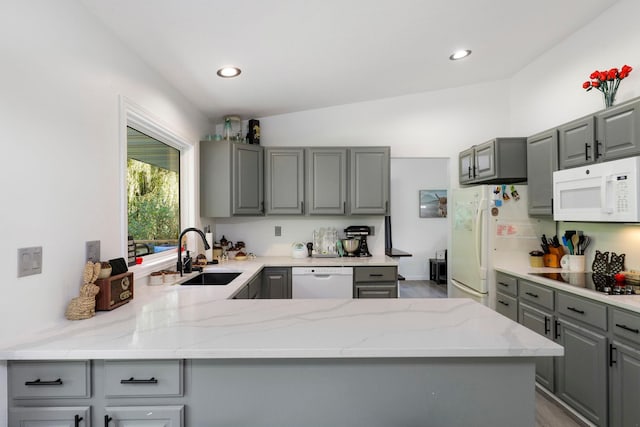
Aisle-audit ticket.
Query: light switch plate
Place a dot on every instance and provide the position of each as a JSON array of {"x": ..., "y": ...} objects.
[
  {"x": 278, "y": 230},
  {"x": 93, "y": 251},
  {"x": 29, "y": 261}
]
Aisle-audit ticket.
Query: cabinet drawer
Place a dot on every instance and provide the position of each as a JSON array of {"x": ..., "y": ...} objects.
[
  {"x": 378, "y": 290},
  {"x": 140, "y": 378},
  {"x": 626, "y": 325},
  {"x": 507, "y": 306},
  {"x": 506, "y": 284},
  {"x": 536, "y": 294},
  {"x": 587, "y": 311},
  {"x": 375, "y": 274},
  {"x": 50, "y": 379}
]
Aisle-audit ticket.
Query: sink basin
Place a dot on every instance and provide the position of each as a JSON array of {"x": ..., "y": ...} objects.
[{"x": 212, "y": 279}]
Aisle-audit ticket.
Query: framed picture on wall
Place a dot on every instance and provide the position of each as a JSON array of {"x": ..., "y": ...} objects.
[{"x": 433, "y": 203}]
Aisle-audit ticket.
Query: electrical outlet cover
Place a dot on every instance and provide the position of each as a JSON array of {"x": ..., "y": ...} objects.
[{"x": 93, "y": 251}]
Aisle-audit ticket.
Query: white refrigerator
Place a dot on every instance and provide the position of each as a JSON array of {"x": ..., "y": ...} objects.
[{"x": 489, "y": 223}]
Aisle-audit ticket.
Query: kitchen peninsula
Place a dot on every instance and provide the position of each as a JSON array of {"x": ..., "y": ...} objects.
[{"x": 323, "y": 362}]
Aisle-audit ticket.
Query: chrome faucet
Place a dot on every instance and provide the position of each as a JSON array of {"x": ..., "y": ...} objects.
[{"x": 185, "y": 231}]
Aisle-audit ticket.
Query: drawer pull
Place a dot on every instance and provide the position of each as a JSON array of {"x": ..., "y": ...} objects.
[
  {"x": 132, "y": 380},
  {"x": 626, "y": 328},
  {"x": 503, "y": 303},
  {"x": 503, "y": 284},
  {"x": 531, "y": 294},
  {"x": 375, "y": 275},
  {"x": 575, "y": 310},
  {"x": 39, "y": 382},
  {"x": 76, "y": 420}
]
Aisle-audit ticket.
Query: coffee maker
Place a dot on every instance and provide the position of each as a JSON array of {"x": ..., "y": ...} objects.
[{"x": 359, "y": 232}]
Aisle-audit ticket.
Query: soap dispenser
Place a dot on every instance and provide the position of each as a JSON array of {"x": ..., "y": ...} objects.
[{"x": 187, "y": 263}]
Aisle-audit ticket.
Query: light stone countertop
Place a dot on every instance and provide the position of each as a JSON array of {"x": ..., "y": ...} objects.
[
  {"x": 172, "y": 321},
  {"x": 522, "y": 271}
]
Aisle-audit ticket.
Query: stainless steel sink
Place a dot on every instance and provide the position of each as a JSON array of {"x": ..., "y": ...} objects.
[{"x": 212, "y": 279}]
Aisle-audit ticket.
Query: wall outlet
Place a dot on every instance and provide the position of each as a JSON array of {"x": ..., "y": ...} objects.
[
  {"x": 278, "y": 231},
  {"x": 93, "y": 251},
  {"x": 29, "y": 261}
]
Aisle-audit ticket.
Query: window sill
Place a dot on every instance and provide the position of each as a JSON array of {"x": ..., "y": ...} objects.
[{"x": 162, "y": 261}]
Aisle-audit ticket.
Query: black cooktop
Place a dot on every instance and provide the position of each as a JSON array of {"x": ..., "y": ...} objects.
[{"x": 604, "y": 283}]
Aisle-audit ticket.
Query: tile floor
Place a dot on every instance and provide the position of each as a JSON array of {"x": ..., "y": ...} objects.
[{"x": 548, "y": 413}]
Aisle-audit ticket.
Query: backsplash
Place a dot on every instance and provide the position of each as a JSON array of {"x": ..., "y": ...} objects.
[
  {"x": 259, "y": 233},
  {"x": 618, "y": 238}
]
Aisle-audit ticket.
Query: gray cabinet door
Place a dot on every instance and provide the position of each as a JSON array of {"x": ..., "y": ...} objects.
[
  {"x": 539, "y": 321},
  {"x": 369, "y": 180},
  {"x": 466, "y": 166},
  {"x": 66, "y": 416},
  {"x": 485, "y": 160},
  {"x": 276, "y": 283},
  {"x": 618, "y": 131},
  {"x": 576, "y": 146},
  {"x": 542, "y": 161},
  {"x": 247, "y": 175},
  {"x": 327, "y": 181},
  {"x": 625, "y": 385},
  {"x": 149, "y": 416},
  {"x": 582, "y": 371},
  {"x": 284, "y": 181}
]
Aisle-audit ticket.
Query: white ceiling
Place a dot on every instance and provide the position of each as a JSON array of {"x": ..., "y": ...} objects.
[{"x": 335, "y": 51}]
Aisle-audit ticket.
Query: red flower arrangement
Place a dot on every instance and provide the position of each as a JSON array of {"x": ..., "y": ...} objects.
[{"x": 607, "y": 82}]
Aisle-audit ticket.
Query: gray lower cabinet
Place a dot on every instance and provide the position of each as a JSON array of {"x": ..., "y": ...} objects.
[
  {"x": 369, "y": 180},
  {"x": 284, "y": 181},
  {"x": 96, "y": 393},
  {"x": 375, "y": 282},
  {"x": 326, "y": 189},
  {"x": 624, "y": 368},
  {"x": 542, "y": 161},
  {"x": 231, "y": 179},
  {"x": 276, "y": 283},
  {"x": 252, "y": 290},
  {"x": 582, "y": 371},
  {"x": 540, "y": 321}
]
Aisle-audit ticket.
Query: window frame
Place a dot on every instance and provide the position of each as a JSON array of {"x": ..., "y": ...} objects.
[{"x": 134, "y": 116}]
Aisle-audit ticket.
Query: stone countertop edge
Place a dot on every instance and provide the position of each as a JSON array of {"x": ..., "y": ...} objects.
[
  {"x": 200, "y": 322},
  {"x": 627, "y": 302}
]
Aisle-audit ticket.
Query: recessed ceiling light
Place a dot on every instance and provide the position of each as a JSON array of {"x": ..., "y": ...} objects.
[
  {"x": 459, "y": 54},
  {"x": 228, "y": 72}
]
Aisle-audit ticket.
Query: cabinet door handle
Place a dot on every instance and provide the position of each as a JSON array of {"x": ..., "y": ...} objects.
[
  {"x": 301, "y": 207},
  {"x": 575, "y": 310},
  {"x": 597, "y": 147},
  {"x": 132, "y": 380},
  {"x": 547, "y": 327},
  {"x": 626, "y": 328},
  {"x": 531, "y": 294},
  {"x": 556, "y": 332},
  {"x": 611, "y": 350},
  {"x": 76, "y": 420},
  {"x": 503, "y": 303},
  {"x": 40, "y": 382},
  {"x": 474, "y": 171},
  {"x": 469, "y": 171},
  {"x": 107, "y": 420},
  {"x": 586, "y": 151}
]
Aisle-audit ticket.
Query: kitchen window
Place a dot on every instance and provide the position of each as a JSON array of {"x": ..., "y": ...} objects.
[
  {"x": 153, "y": 193},
  {"x": 157, "y": 186}
]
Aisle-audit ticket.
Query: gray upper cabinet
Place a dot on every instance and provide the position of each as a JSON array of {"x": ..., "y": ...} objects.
[
  {"x": 577, "y": 143},
  {"x": 618, "y": 131},
  {"x": 284, "y": 181},
  {"x": 501, "y": 160},
  {"x": 326, "y": 181},
  {"x": 369, "y": 180},
  {"x": 231, "y": 179},
  {"x": 542, "y": 161}
]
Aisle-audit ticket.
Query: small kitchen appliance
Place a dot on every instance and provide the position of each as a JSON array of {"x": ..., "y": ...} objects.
[{"x": 359, "y": 232}]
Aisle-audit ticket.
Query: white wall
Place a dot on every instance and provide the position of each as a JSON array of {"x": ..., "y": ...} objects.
[
  {"x": 421, "y": 237},
  {"x": 62, "y": 75}
]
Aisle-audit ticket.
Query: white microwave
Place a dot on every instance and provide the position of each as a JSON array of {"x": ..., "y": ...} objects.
[{"x": 601, "y": 192}]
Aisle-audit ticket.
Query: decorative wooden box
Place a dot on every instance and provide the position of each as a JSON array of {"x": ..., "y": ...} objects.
[{"x": 114, "y": 291}]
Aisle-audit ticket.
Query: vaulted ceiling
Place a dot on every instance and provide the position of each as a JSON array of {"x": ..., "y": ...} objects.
[{"x": 303, "y": 54}]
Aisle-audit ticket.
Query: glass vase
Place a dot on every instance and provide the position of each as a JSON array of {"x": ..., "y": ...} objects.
[{"x": 609, "y": 99}]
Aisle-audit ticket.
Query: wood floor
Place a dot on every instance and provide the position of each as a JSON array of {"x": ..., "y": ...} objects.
[{"x": 548, "y": 413}]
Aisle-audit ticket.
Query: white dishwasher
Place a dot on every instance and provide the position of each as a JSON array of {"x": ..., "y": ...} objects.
[{"x": 321, "y": 282}]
